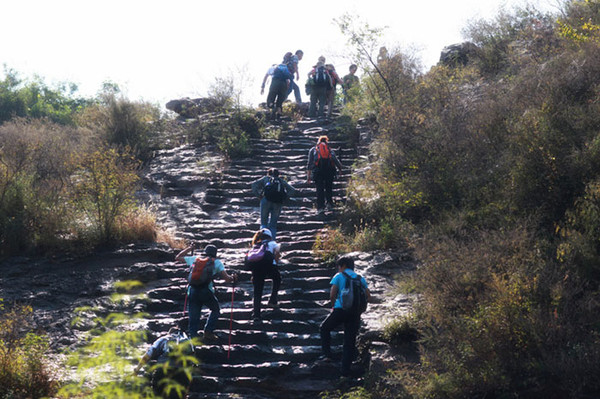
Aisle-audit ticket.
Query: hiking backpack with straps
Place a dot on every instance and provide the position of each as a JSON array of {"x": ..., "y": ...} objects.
[
  {"x": 323, "y": 159},
  {"x": 281, "y": 72},
  {"x": 201, "y": 272},
  {"x": 354, "y": 295},
  {"x": 321, "y": 77},
  {"x": 274, "y": 190},
  {"x": 259, "y": 257}
]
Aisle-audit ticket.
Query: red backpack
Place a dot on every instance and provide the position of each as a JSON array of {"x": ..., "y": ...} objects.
[
  {"x": 323, "y": 159},
  {"x": 201, "y": 272}
]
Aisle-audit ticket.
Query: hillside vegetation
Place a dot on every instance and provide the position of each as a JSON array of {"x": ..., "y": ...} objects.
[{"x": 490, "y": 171}]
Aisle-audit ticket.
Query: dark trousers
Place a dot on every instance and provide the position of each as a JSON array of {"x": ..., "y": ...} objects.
[
  {"x": 277, "y": 93},
  {"x": 199, "y": 297},
  {"x": 258, "y": 280},
  {"x": 324, "y": 186},
  {"x": 351, "y": 325}
]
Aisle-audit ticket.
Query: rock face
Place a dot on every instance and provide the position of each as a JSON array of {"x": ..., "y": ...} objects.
[
  {"x": 191, "y": 108},
  {"x": 203, "y": 198},
  {"x": 457, "y": 54}
]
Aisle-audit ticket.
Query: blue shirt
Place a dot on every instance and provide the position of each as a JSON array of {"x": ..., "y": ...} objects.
[
  {"x": 340, "y": 281},
  {"x": 219, "y": 267}
]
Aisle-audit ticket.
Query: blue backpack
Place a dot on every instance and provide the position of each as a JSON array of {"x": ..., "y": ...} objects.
[{"x": 281, "y": 72}]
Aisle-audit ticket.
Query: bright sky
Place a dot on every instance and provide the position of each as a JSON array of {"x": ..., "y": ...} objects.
[{"x": 158, "y": 50}]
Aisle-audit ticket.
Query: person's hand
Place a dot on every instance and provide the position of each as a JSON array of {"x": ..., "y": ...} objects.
[{"x": 262, "y": 90}]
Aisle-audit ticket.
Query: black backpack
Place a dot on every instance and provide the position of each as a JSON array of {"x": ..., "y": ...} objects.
[
  {"x": 322, "y": 78},
  {"x": 354, "y": 295},
  {"x": 274, "y": 190}
]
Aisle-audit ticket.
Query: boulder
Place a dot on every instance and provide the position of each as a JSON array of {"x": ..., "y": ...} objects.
[
  {"x": 193, "y": 107},
  {"x": 457, "y": 54}
]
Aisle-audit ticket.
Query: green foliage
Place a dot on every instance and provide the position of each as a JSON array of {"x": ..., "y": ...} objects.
[
  {"x": 122, "y": 122},
  {"x": 104, "y": 364},
  {"x": 22, "y": 98},
  {"x": 103, "y": 187},
  {"x": 23, "y": 371},
  {"x": 401, "y": 330},
  {"x": 485, "y": 161}
]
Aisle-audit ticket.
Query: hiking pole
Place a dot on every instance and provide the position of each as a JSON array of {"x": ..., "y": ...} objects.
[{"x": 231, "y": 319}]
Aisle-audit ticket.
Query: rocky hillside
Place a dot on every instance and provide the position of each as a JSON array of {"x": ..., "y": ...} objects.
[{"x": 203, "y": 198}]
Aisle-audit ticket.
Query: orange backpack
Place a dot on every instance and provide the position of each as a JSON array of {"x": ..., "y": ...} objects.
[
  {"x": 201, "y": 272},
  {"x": 324, "y": 159}
]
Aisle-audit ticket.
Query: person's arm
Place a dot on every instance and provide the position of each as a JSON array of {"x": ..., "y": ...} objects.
[
  {"x": 145, "y": 359},
  {"x": 230, "y": 278},
  {"x": 333, "y": 294},
  {"x": 264, "y": 82},
  {"x": 257, "y": 187},
  {"x": 291, "y": 190},
  {"x": 309, "y": 165},
  {"x": 336, "y": 161},
  {"x": 180, "y": 258}
]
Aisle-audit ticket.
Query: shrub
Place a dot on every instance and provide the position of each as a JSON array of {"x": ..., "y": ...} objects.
[
  {"x": 34, "y": 164},
  {"x": 123, "y": 123},
  {"x": 23, "y": 371},
  {"x": 103, "y": 188}
]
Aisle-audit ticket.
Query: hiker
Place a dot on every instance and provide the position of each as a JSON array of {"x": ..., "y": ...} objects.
[
  {"x": 202, "y": 294},
  {"x": 280, "y": 81},
  {"x": 264, "y": 82},
  {"x": 332, "y": 91},
  {"x": 272, "y": 191},
  {"x": 346, "y": 314},
  {"x": 350, "y": 83},
  {"x": 320, "y": 81},
  {"x": 163, "y": 352},
  {"x": 262, "y": 260},
  {"x": 293, "y": 67},
  {"x": 321, "y": 168}
]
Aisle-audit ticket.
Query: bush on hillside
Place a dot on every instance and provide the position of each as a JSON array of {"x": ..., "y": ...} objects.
[
  {"x": 35, "y": 99},
  {"x": 24, "y": 372},
  {"x": 122, "y": 122},
  {"x": 102, "y": 189},
  {"x": 486, "y": 160},
  {"x": 35, "y": 166}
]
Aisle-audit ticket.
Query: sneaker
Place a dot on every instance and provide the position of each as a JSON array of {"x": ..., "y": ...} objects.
[{"x": 210, "y": 336}]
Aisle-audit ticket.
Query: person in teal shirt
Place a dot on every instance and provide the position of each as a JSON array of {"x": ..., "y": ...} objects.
[
  {"x": 338, "y": 316},
  {"x": 199, "y": 296}
]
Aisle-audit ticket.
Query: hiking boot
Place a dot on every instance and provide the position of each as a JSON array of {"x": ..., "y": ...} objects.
[{"x": 210, "y": 336}]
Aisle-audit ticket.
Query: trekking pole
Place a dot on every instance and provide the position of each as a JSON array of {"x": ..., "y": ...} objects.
[{"x": 231, "y": 319}]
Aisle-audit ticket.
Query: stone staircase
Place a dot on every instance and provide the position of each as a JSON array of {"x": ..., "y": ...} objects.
[{"x": 210, "y": 203}]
